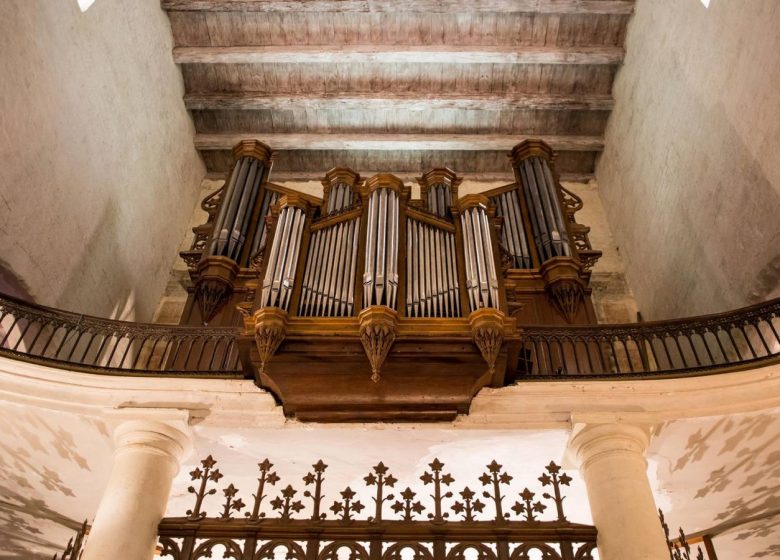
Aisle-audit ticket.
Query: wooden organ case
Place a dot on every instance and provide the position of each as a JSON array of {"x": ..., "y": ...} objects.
[{"x": 368, "y": 305}]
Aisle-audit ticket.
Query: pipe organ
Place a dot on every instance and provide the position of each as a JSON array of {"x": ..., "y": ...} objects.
[{"x": 367, "y": 264}]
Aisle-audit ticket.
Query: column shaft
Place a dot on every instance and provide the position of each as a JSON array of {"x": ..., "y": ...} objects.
[
  {"x": 611, "y": 459},
  {"x": 147, "y": 458}
]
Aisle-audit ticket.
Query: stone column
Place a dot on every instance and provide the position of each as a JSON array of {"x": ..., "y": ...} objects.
[
  {"x": 611, "y": 459},
  {"x": 149, "y": 448}
]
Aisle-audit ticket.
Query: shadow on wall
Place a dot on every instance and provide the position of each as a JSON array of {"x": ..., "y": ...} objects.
[
  {"x": 91, "y": 289},
  {"x": 36, "y": 456},
  {"x": 12, "y": 285},
  {"x": 744, "y": 463}
]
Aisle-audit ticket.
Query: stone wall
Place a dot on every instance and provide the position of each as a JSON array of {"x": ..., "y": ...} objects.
[
  {"x": 99, "y": 172},
  {"x": 612, "y": 298},
  {"x": 690, "y": 176}
]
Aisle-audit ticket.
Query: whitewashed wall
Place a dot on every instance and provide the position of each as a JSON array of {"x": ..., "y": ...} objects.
[
  {"x": 690, "y": 177},
  {"x": 99, "y": 175}
]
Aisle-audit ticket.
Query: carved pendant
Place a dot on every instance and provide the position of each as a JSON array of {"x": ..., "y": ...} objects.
[
  {"x": 567, "y": 296},
  {"x": 215, "y": 285},
  {"x": 487, "y": 331},
  {"x": 270, "y": 331},
  {"x": 377, "y": 333}
]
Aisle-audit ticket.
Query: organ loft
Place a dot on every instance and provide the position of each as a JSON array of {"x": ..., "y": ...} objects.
[{"x": 344, "y": 299}]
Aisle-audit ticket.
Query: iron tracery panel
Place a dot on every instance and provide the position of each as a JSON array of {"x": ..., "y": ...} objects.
[{"x": 282, "y": 522}]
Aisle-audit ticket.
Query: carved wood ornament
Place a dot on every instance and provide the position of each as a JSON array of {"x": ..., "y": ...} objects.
[{"x": 378, "y": 325}]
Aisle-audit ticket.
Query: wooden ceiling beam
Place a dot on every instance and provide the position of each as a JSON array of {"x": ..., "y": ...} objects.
[
  {"x": 406, "y": 101},
  {"x": 436, "y": 6},
  {"x": 406, "y": 176},
  {"x": 364, "y": 54},
  {"x": 398, "y": 142}
]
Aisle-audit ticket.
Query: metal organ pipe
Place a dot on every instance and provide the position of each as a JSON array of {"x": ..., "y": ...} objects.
[
  {"x": 481, "y": 276},
  {"x": 380, "y": 275},
  {"x": 531, "y": 161},
  {"x": 239, "y": 199},
  {"x": 432, "y": 287},
  {"x": 283, "y": 258},
  {"x": 513, "y": 237}
]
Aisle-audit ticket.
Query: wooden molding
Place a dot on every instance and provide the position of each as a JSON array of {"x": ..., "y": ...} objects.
[
  {"x": 373, "y": 54},
  {"x": 606, "y": 7},
  {"x": 466, "y": 142},
  {"x": 403, "y": 100}
]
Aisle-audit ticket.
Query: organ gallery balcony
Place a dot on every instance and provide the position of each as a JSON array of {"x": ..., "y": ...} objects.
[{"x": 367, "y": 304}]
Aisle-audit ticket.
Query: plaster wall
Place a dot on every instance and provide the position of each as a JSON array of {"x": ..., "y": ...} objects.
[
  {"x": 99, "y": 171},
  {"x": 690, "y": 175}
]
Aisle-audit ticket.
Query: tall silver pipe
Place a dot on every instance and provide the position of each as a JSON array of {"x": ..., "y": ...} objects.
[
  {"x": 481, "y": 276},
  {"x": 532, "y": 160},
  {"x": 278, "y": 282}
]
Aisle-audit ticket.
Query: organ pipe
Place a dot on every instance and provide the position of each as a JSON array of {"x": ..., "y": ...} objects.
[
  {"x": 531, "y": 161},
  {"x": 438, "y": 189},
  {"x": 380, "y": 274},
  {"x": 235, "y": 215},
  {"x": 329, "y": 277},
  {"x": 481, "y": 275},
  {"x": 282, "y": 262},
  {"x": 340, "y": 189},
  {"x": 432, "y": 287},
  {"x": 513, "y": 237}
]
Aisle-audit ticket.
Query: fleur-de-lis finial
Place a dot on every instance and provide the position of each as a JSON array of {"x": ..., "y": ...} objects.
[
  {"x": 469, "y": 506},
  {"x": 407, "y": 506},
  {"x": 206, "y": 475},
  {"x": 266, "y": 477},
  {"x": 555, "y": 480},
  {"x": 380, "y": 478},
  {"x": 285, "y": 503},
  {"x": 315, "y": 478},
  {"x": 230, "y": 502},
  {"x": 348, "y": 505},
  {"x": 528, "y": 509},
  {"x": 496, "y": 478},
  {"x": 437, "y": 479}
]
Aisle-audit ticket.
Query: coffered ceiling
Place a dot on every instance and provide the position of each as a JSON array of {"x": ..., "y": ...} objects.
[{"x": 399, "y": 85}]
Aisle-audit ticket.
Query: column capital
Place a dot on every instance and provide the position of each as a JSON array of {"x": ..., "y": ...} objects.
[
  {"x": 160, "y": 431},
  {"x": 589, "y": 442}
]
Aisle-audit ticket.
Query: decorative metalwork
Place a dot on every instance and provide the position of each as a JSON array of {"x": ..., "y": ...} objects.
[
  {"x": 55, "y": 337},
  {"x": 75, "y": 545},
  {"x": 208, "y": 473},
  {"x": 680, "y": 549},
  {"x": 706, "y": 344},
  {"x": 352, "y": 530},
  {"x": 495, "y": 477},
  {"x": 266, "y": 477}
]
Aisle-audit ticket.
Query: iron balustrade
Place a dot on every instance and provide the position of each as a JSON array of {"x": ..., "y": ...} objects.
[
  {"x": 711, "y": 343},
  {"x": 81, "y": 342},
  {"x": 708, "y": 344}
]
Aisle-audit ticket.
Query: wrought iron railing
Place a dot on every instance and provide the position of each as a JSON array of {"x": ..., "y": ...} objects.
[
  {"x": 449, "y": 524},
  {"x": 714, "y": 343},
  {"x": 82, "y": 342},
  {"x": 722, "y": 342}
]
